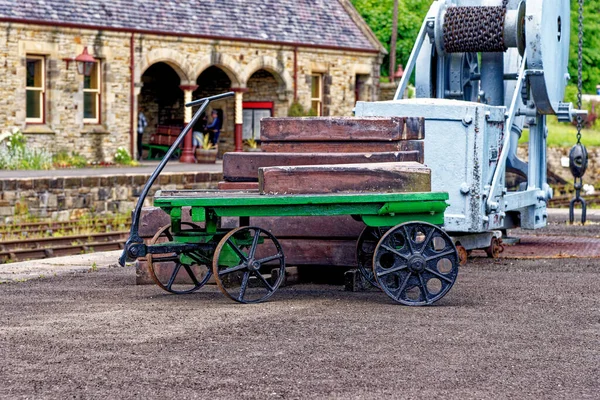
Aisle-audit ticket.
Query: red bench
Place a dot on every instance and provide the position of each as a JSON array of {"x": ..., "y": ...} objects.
[{"x": 161, "y": 140}]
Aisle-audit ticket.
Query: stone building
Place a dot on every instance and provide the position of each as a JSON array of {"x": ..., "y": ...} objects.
[{"x": 159, "y": 54}]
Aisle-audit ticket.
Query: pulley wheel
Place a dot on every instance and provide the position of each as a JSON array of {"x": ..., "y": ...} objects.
[
  {"x": 416, "y": 263},
  {"x": 578, "y": 160},
  {"x": 462, "y": 67},
  {"x": 243, "y": 262},
  {"x": 548, "y": 32},
  {"x": 178, "y": 273}
]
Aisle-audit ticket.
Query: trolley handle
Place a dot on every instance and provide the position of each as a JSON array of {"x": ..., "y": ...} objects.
[
  {"x": 209, "y": 99},
  {"x": 134, "y": 247}
]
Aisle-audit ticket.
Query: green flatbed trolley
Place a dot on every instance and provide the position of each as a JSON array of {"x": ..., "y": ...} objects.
[{"x": 402, "y": 249}]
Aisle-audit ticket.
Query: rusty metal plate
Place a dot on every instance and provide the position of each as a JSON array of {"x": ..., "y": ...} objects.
[{"x": 553, "y": 247}]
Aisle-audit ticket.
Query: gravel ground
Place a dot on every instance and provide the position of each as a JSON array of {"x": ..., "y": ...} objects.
[{"x": 508, "y": 328}]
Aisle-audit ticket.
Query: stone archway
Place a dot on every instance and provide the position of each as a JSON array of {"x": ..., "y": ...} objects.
[
  {"x": 270, "y": 64},
  {"x": 174, "y": 59},
  {"x": 161, "y": 98},
  {"x": 224, "y": 62}
]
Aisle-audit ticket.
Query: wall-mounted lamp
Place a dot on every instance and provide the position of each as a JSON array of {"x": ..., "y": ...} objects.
[{"x": 85, "y": 62}]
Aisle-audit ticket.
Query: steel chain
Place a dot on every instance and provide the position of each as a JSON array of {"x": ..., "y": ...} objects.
[
  {"x": 580, "y": 72},
  {"x": 578, "y": 180}
]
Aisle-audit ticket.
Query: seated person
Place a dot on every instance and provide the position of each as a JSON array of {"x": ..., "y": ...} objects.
[
  {"x": 196, "y": 140},
  {"x": 198, "y": 133}
]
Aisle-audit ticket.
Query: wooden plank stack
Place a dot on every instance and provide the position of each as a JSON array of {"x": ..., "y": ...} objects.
[{"x": 328, "y": 155}]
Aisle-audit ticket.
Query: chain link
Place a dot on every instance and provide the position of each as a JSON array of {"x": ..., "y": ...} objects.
[
  {"x": 474, "y": 29},
  {"x": 582, "y": 164},
  {"x": 580, "y": 72}
]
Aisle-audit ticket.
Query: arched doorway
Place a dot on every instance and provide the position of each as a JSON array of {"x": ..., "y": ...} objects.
[
  {"x": 212, "y": 81},
  {"x": 265, "y": 98},
  {"x": 161, "y": 99}
]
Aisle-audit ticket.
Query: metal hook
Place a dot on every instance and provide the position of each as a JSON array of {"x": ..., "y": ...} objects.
[{"x": 577, "y": 199}]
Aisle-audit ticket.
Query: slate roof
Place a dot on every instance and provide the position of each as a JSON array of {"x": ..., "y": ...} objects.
[{"x": 312, "y": 22}]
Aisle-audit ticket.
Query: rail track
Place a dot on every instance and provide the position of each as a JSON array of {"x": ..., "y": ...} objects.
[
  {"x": 30, "y": 249},
  {"x": 564, "y": 200},
  {"x": 52, "y": 228},
  {"x": 46, "y": 239}
]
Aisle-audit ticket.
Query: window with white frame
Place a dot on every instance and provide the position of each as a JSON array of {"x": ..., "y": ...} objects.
[
  {"x": 91, "y": 95},
  {"x": 316, "y": 97},
  {"x": 253, "y": 112},
  {"x": 35, "y": 89}
]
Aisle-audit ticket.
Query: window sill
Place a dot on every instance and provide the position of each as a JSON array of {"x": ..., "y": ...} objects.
[
  {"x": 38, "y": 129},
  {"x": 95, "y": 129}
]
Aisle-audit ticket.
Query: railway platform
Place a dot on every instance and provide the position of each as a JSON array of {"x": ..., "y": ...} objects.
[
  {"x": 57, "y": 193},
  {"x": 145, "y": 167}
]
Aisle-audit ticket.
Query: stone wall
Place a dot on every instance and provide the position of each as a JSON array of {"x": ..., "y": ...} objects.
[
  {"x": 556, "y": 154},
  {"x": 263, "y": 86},
  {"x": 64, "y": 128},
  {"x": 61, "y": 197},
  {"x": 387, "y": 91}
]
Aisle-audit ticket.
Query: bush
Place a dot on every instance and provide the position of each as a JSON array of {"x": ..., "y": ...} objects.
[
  {"x": 15, "y": 155},
  {"x": 65, "y": 160},
  {"x": 297, "y": 110},
  {"x": 123, "y": 157}
]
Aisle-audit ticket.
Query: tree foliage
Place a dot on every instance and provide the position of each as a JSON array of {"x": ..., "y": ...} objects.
[
  {"x": 591, "y": 44},
  {"x": 378, "y": 15}
]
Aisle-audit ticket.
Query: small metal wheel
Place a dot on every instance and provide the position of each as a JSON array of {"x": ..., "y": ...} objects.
[
  {"x": 495, "y": 248},
  {"x": 463, "y": 255},
  {"x": 365, "y": 249},
  {"x": 415, "y": 263},
  {"x": 178, "y": 273},
  {"x": 243, "y": 262}
]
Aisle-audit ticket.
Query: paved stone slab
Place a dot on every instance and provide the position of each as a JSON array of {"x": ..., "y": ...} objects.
[
  {"x": 224, "y": 185},
  {"x": 244, "y": 166},
  {"x": 344, "y": 147},
  {"x": 345, "y": 178},
  {"x": 342, "y": 129}
]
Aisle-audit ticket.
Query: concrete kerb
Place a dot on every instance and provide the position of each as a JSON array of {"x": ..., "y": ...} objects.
[{"x": 146, "y": 167}]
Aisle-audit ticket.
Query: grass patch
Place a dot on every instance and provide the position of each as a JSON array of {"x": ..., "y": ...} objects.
[{"x": 562, "y": 134}]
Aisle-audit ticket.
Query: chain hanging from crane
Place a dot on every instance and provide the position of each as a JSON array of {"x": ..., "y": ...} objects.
[{"x": 578, "y": 157}]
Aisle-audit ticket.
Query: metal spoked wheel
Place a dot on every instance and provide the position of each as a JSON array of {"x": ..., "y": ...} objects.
[
  {"x": 365, "y": 249},
  {"x": 178, "y": 273},
  {"x": 463, "y": 255},
  {"x": 495, "y": 248},
  {"x": 243, "y": 262},
  {"x": 415, "y": 263}
]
